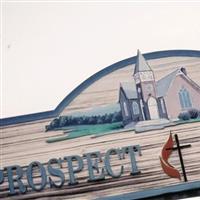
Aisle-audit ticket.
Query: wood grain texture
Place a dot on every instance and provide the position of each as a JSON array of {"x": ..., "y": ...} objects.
[{"x": 24, "y": 143}]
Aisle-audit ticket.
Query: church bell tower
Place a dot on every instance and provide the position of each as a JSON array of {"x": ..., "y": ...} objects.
[{"x": 145, "y": 84}]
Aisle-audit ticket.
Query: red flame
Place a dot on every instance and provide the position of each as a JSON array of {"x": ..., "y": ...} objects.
[{"x": 166, "y": 152}]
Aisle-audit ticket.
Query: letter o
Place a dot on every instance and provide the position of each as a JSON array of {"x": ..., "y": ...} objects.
[{"x": 30, "y": 176}]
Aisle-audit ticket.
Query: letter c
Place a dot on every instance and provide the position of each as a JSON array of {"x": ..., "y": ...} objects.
[{"x": 108, "y": 165}]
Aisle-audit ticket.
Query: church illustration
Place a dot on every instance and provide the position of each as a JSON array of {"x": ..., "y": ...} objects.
[{"x": 147, "y": 99}]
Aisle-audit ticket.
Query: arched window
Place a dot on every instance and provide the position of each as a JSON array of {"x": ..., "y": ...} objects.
[
  {"x": 184, "y": 98},
  {"x": 125, "y": 109},
  {"x": 135, "y": 107},
  {"x": 163, "y": 106},
  {"x": 153, "y": 108}
]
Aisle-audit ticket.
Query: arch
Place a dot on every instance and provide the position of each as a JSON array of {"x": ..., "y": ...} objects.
[{"x": 153, "y": 108}]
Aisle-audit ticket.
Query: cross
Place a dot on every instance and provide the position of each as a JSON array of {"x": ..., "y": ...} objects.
[{"x": 179, "y": 147}]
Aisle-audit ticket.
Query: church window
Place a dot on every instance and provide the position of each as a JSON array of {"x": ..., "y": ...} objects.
[
  {"x": 153, "y": 108},
  {"x": 163, "y": 106},
  {"x": 184, "y": 98},
  {"x": 125, "y": 109},
  {"x": 135, "y": 107}
]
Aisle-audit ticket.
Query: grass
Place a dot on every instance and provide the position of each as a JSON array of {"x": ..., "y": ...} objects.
[
  {"x": 84, "y": 130},
  {"x": 98, "y": 129},
  {"x": 188, "y": 121}
]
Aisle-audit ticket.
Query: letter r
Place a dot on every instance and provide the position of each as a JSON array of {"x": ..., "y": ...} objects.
[{"x": 17, "y": 178}]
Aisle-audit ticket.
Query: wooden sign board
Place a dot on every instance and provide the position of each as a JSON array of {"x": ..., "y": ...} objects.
[{"x": 137, "y": 101}]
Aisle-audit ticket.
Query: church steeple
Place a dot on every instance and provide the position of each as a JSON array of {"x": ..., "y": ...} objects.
[
  {"x": 144, "y": 78},
  {"x": 141, "y": 64}
]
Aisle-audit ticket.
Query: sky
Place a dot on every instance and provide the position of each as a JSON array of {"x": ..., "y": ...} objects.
[{"x": 49, "y": 48}]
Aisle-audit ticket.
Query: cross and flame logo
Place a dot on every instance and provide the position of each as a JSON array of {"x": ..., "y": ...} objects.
[{"x": 165, "y": 155}]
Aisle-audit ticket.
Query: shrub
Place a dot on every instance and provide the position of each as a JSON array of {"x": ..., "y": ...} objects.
[
  {"x": 184, "y": 116},
  {"x": 194, "y": 113},
  {"x": 117, "y": 116},
  {"x": 52, "y": 125},
  {"x": 84, "y": 120},
  {"x": 47, "y": 128},
  {"x": 62, "y": 121},
  {"x": 55, "y": 123}
]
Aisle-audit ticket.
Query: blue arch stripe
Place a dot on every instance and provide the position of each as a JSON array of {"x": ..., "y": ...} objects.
[{"x": 69, "y": 98}]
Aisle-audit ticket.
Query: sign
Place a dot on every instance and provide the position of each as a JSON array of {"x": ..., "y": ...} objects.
[
  {"x": 15, "y": 173},
  {"x": 90, "y": 145}
]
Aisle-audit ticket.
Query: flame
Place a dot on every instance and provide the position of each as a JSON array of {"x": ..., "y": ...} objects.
[{"x": 165, "y": 154}]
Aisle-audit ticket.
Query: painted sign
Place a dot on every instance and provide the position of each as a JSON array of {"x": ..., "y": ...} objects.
[
  {"x": 127, "y": 108},
  {"x": 144, "y": 103},
  {"x": 74, "y": 164}
]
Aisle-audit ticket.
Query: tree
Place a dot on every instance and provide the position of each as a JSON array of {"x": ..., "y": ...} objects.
[
  {"x": 194, "y": 113},
  {"x": 84, "y": 120}
]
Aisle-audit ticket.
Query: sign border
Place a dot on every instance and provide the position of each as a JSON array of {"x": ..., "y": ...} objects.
[{"x": 184, "y": 187}]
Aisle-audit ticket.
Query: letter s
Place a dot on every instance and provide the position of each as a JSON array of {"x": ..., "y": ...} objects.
[{"x": 55, "y": 172}]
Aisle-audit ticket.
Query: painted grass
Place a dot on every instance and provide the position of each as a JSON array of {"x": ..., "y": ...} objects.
[
  {"x": 83, "y": 130},
  {"x": 98, "y": 130},
  {"x": 188, "y": 121}
]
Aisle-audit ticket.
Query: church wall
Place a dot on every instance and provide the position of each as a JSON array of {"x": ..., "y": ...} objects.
[
  {"x": 146, "y": 111},
  {"x": 144, "y": 96},
  {"x": 136, "y": 117},
  {"x": 172, "y": 97},
  {"x": 161, "y": 112},
  {"x": 126, "y": 119},
  {"x": 146, "y": 92}
]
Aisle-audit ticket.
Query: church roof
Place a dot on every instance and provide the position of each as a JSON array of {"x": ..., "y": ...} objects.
[
  {"x": 163, "y": 84},
  {"x": 129, "y": 89},
  {"x": 141, "y": 64}
]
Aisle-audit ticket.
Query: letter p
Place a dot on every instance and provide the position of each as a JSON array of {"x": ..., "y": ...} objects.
[
  {"x": 72, "y": 169},
  {"x": 1, "y": 177}
]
